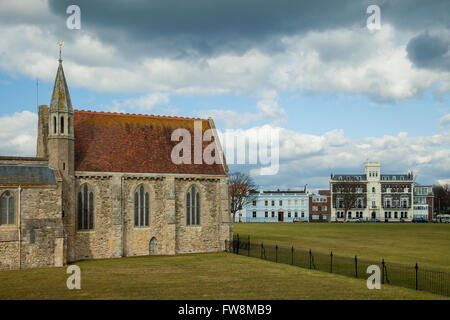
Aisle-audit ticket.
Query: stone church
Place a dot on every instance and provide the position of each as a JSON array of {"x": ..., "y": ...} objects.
[{"x": 104, "y": 185}]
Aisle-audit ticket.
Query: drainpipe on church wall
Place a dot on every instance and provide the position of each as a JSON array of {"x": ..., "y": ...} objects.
[
  {"x": 122, "y": 240},
  {"x": 20, "y": 228}
]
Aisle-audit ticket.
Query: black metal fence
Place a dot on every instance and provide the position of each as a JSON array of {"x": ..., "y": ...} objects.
[{"x": 413, "y": 277}]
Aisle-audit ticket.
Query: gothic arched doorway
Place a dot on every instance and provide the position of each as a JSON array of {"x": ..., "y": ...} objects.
[{"x": 153, "y": 246}]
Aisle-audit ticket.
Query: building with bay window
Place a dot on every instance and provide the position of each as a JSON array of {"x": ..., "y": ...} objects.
[{"x": 423, "y": 202}]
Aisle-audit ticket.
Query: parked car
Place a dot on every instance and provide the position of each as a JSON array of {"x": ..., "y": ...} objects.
[
  {"x": 353, "y": 220},
  {"x": 299, "y": 220},
  {"x": 445, "y": 218},
  {"x": 420, "y": 220},
  {"x": 374, "y": 220}
]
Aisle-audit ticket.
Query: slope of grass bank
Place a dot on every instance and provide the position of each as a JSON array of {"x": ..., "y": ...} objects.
[{"x": 196, "y": 276}]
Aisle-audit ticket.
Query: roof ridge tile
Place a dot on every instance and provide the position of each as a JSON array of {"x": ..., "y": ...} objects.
[{"x": 137, "y": 115}]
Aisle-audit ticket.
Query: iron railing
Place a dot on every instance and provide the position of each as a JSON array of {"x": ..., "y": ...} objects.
[{"x": 413, "y": 277}]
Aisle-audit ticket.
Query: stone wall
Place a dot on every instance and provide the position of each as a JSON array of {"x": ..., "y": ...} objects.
[
  {"x": 95, "y": 243},
  {"x": 9, "y": 249},
  {"x": 215, "y": 220},
  {"x": 137, "y": 239},
  {"x": 41, "y": 214},
  {"x": 114, "y": 236}
]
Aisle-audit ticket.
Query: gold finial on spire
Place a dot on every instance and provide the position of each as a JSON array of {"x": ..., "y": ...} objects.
[{"x": 60, "y": 43}]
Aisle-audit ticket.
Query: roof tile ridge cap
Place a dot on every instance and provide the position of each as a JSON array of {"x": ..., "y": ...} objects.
[{"x": 138, "y": 115}]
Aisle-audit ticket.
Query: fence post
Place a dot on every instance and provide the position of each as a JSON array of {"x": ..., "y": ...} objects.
[
  {"x": 276, "y": 253},
  {"x": 356, "y": 266},
  {"x": 238, "y": 244},
  {"x": 382, "y": 271},
  {"x": 292, "y": 255},
  {"x": 262, "y": 250},
  {"x": 331, "y": 262},
  {"x": 249, "y": 246},
  {"x": 417, "y": 280},
  {"x": 310, "y": 254}
]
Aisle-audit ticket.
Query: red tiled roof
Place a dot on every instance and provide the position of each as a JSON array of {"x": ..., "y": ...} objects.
[{"x": 118, "y": 142}]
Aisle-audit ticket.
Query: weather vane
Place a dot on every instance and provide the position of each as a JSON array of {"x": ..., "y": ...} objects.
[{"x": 60, "y": 43}]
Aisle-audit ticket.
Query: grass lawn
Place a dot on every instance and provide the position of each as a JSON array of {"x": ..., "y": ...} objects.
[
  {"x": 196, "y": 276},
  {"x": 405, "y": 243}
]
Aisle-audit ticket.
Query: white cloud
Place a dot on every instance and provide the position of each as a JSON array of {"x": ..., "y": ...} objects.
[
  {"x": 18, "y": 134},
  {"x": 268, "y": 109},
  {"x": 144, "y": 103},
  {"x": 443, "y": 182},
  {"x": 444, "y": 121},
  {"x": 353, "y": 61}
]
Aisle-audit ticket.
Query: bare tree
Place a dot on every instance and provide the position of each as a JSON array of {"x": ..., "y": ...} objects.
[
  {"x": 241, "y": 186},
  {"x": 442, "y": 197},
  {"x": 346, "y": 197}
]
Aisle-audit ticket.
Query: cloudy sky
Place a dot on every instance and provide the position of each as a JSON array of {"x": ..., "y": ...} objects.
[{"x": 338, "y": 93}]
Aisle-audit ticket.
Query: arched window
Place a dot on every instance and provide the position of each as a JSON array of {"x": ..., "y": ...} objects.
[
  {"x": 373, "y": 189},
  {"x": 141, "y": 207},
  {"x": 62, "y": 124},
  {"x": 54, "y": 124},
  {"x": 85, "y": 208},
  {"x": 7, "y": 208},
  {"x": 193, "y": 207}
]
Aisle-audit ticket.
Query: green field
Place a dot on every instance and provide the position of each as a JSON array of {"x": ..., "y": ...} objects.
[
  {"x": 405, "y": 243},
  {"x": 229, "y": 276},
  {"x": 196, "y": 276}
]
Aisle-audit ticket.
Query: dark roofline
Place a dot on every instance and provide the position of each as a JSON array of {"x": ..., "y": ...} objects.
[
  {"x": 394, "y": 174},
  {"x": 27, "y": 174},
  {"x": 26, "y": 165},
  {"x": 279, "y": 191},
  {"x": 22, "y": 158}
]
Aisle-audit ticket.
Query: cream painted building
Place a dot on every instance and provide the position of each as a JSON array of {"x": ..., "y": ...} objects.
[{"x": 386, "y": 197}]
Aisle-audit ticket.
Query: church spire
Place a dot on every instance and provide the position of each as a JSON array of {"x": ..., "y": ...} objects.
[
  {"x": 60, "y": 127},
  {"x": 60, "y": 97}
]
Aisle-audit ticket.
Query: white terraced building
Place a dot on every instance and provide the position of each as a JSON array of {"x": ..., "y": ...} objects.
[{"x": 278, "y": 206}]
